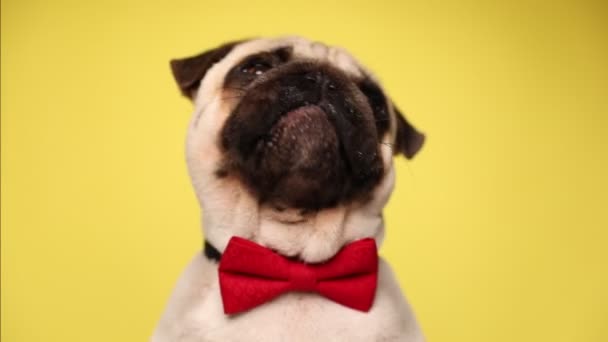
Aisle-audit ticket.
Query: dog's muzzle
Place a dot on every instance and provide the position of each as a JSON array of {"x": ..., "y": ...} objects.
[{"x": 304, "y": 136}]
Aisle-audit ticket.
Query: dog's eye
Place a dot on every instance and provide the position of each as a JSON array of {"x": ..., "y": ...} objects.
[{"x": 255, "y": 68}]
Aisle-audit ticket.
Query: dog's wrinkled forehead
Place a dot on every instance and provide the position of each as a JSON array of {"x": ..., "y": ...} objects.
[
  {"x": 336, "y": 56},
  {"x": 300, "y": 48}
]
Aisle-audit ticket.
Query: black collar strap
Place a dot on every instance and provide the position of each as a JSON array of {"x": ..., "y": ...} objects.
[{"x": 211, "y": 252}]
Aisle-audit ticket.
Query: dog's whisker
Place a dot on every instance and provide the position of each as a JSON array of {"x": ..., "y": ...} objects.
[
  {"x": 235, "y": 88},
  {"x": 231, "y": 97}
]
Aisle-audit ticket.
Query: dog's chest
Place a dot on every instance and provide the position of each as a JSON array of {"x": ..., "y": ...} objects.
[{"x": 291, "y": 317}]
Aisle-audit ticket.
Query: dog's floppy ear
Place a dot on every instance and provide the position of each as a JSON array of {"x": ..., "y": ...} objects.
[
  {"x": 408, "y": 140},
  {"x": 188, "y": 72}
]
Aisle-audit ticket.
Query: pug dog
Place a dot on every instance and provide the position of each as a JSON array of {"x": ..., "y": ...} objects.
[{"x": 290, "y": 150}]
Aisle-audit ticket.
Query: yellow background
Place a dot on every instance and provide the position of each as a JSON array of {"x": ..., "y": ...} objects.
[{"x": 497, "y": 230}]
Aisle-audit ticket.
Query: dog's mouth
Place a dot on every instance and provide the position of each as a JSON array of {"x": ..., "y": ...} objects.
[
  {"x": 297, "y": 158},
  {"x": 300, "y": 136}
]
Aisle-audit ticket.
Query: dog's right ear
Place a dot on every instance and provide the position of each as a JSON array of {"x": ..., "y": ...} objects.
[{"x": 188, "y": 72}]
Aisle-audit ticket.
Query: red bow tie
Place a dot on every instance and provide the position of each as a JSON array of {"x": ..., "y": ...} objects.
[{"x": 251, "y": 275}]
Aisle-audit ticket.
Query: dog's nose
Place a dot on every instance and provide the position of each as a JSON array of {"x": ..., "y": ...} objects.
[{"x": 320, "y": 78}]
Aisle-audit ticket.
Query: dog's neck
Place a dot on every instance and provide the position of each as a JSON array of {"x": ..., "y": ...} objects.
[{"x": 312, "y": 237}]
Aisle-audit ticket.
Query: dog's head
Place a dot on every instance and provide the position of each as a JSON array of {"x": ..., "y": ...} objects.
[{"x": 287, "y": 132}]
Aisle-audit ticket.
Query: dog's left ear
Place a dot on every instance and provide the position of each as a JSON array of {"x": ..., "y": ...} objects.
[
  {"x": 408, "y": 140},
  {"x": 188, "y": 72}
]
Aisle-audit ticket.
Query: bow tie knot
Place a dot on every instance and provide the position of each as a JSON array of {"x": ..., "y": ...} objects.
[
  {"x": 250, "y": 275},
  {"x": 302, "y": 277}
]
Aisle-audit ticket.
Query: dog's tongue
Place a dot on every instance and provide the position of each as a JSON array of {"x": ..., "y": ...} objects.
[{"x": 303, "y": 137}]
